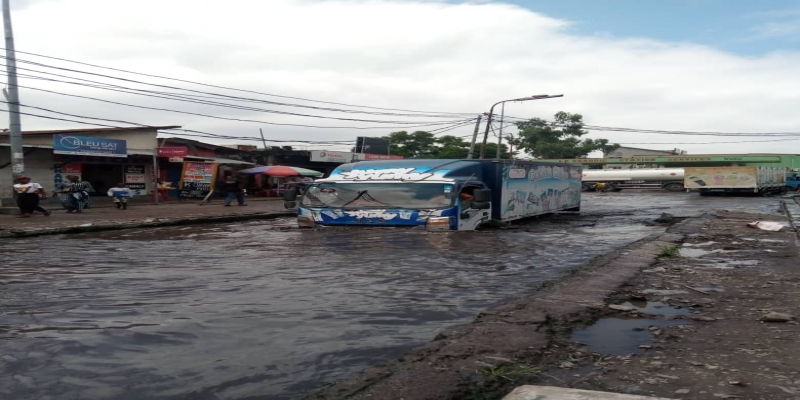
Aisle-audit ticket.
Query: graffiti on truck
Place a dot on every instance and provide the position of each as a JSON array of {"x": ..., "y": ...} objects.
[{"x": 538, "y": 189}]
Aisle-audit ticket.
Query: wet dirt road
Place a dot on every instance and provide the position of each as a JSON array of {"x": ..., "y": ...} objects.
[{"x": 263, "y": 311}]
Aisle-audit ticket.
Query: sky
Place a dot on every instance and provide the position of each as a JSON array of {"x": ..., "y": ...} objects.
[{"x": 388, "y": 65}]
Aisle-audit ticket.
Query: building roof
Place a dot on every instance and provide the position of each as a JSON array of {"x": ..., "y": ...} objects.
[
  {"x": 190, "y": 142},
  {"x": 95, "y": 130}
]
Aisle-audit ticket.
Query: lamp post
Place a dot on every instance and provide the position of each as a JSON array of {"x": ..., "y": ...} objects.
[{"x": 491, "y": 112}]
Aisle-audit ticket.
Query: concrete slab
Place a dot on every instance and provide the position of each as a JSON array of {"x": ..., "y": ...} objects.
[{"x": 531, "y": 392}]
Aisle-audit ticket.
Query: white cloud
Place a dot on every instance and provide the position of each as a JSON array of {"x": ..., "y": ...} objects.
[{"x": 409, "y": 55}]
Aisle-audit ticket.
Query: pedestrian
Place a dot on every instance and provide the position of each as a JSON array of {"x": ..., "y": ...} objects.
[
  {"x": 232, "y": 186},
  {"x": 78, "y": 198},
  {"x": 62, "y": 190},
  {"x": 28, "y": 195},
  {"x": 120, "y": 194},
  {"x": 600, "y": 187}
]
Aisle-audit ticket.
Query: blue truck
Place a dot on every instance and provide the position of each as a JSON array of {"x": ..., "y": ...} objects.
[
  {"x": 793, "y": 180},
  {"x": 440, "y": 195}
]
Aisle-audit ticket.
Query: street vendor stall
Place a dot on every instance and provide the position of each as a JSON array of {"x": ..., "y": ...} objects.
[{"x": 282, "y": 177}]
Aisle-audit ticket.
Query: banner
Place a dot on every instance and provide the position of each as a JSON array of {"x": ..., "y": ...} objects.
[
  {"x": 197, "y": 179},
  {"x": 173, "y": 151},
  {"x": 331, "y": 156},
  {"x": 89, "y": 146},
  {"x": 362, "y": 157}
]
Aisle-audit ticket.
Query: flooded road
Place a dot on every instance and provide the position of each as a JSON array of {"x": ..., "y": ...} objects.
[{"x": 264, "y": 311}]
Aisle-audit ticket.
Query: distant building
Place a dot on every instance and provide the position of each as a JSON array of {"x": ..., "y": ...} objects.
[{"x": 628, "y": 152}]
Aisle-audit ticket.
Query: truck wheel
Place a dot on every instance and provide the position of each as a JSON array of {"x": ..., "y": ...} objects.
[
  {"x": 674, "y": 187},
  {"x": 612, "y": 188},
  {"x": 587, "y": 187}
]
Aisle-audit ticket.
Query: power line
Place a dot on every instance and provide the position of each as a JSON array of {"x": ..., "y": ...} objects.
[
  {"x": 181, "y": 97},
  {"x": 222, "y": 118},
  {"x": 230, "y": 88}
]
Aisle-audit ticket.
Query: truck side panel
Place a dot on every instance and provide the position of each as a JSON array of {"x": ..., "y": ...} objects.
[
  {"x": 721, "y": 178},
  {"x": 530, "y": 189}
]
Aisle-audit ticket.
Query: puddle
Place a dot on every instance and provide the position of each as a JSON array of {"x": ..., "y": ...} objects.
[
  {"x": 655, "y": 308},
  {"x": 709, "y": 287},
  {"x": 709, "y": 243},
  {"x": 664, "y": 292},
  {"x": 618, "y": 336},
  {"x": 731, "y": 264},
  {"x": 694, "y": 253}
]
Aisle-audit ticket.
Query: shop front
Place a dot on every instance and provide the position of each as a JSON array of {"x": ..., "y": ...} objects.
[{"x": 103, "y": 157}]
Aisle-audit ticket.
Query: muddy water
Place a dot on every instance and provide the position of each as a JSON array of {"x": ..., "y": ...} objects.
[{"x": 264, "y": 311}]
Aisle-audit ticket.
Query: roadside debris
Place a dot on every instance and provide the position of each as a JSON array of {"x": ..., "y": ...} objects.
[
  {"x": 767, "y": 225},
  {"x": 777, "y": 317}
]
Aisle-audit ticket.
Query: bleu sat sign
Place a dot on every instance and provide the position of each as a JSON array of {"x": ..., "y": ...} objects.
[{"x": 89, "y": 146}]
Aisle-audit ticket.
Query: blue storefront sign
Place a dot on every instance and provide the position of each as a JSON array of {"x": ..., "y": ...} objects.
[{"x": 89, "y": 146}]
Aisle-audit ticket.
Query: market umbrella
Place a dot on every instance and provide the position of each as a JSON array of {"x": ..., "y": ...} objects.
[{"x": 282, "y": 171}]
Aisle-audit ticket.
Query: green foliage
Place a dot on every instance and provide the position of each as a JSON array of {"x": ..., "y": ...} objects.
[
  {"x": 510, "y": 372},
  {"x": 560, "y": 138},
  {"x": 421, "y": 144},
  {"x": 669, "y": 251}
]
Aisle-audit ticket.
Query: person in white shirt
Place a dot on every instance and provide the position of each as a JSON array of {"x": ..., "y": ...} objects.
[
  {"x": 121, "y": 194},
  {"x": 28, "y": 194}
]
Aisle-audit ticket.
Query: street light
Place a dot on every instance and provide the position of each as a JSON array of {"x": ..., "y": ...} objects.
[{"x": 491, "y": 112}]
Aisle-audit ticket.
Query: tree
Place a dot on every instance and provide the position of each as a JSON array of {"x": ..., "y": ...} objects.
[
  {"x": 419, "y": 144},
  {"x": 422, "y": 144},
  {"x": 560, "y": 138}
]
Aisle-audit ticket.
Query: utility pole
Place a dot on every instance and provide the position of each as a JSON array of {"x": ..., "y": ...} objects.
[
  {"x": 491, "y": 112},
  {"x": 474, "y": 137},
  {"x": 263, "y": 141},
  {"x": 500, "y": 134},
  {"x": 15, "y": 125}
]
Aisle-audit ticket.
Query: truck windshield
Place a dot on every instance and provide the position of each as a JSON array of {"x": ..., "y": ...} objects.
[{"x": 379, "y": 195}]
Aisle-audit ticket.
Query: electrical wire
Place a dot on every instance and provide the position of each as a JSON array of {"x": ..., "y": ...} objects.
[
  {"x": 173, "y": 96},
  {"x": 210, "y": 85}
]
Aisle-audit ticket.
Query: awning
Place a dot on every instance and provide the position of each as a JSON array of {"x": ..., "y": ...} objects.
[{"x": 218, "y": 160}]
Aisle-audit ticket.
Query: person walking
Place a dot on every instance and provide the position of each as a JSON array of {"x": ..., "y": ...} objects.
[
  {"x": 232, "y": 186},
  {"x": 78, "y": 192},
  {"x": 28, "y": 195},
  {"x": 120, "y": 194}
]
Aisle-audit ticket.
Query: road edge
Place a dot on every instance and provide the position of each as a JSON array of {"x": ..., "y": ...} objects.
[{"x": 150, "y": 223}]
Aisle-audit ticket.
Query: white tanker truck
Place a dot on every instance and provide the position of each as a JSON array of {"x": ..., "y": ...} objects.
[{"x": 617, "y": 179}]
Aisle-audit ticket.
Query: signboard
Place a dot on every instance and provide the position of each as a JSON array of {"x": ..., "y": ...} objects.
[
  {"x": 135, "y": 186},
  {"x": 173, "y": 151},
  {"x": 331, "y": 156},
  {"x": 89, "y": 146},
  {"x": 362, "y": 157},
  {"x": 135, "y": 178},
  {"x": 669, "y": 159},
  {"x": 134, "y": 169},
  {"x": 176, "y": 159},
  {"x": 73, "y": 168},
  {"x": 197, "y": 179}
]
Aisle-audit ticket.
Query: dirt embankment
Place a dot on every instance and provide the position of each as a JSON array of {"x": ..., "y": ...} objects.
[
  {"x": 679, "y": 315},
  {"x": 719, "y": 318}
]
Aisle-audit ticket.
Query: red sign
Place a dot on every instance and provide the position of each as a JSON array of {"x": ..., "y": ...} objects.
[
  {"x": 72, "y": 168},
  {"x": 173, "y": 151},
  {"x": 381, "y": 157}
]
